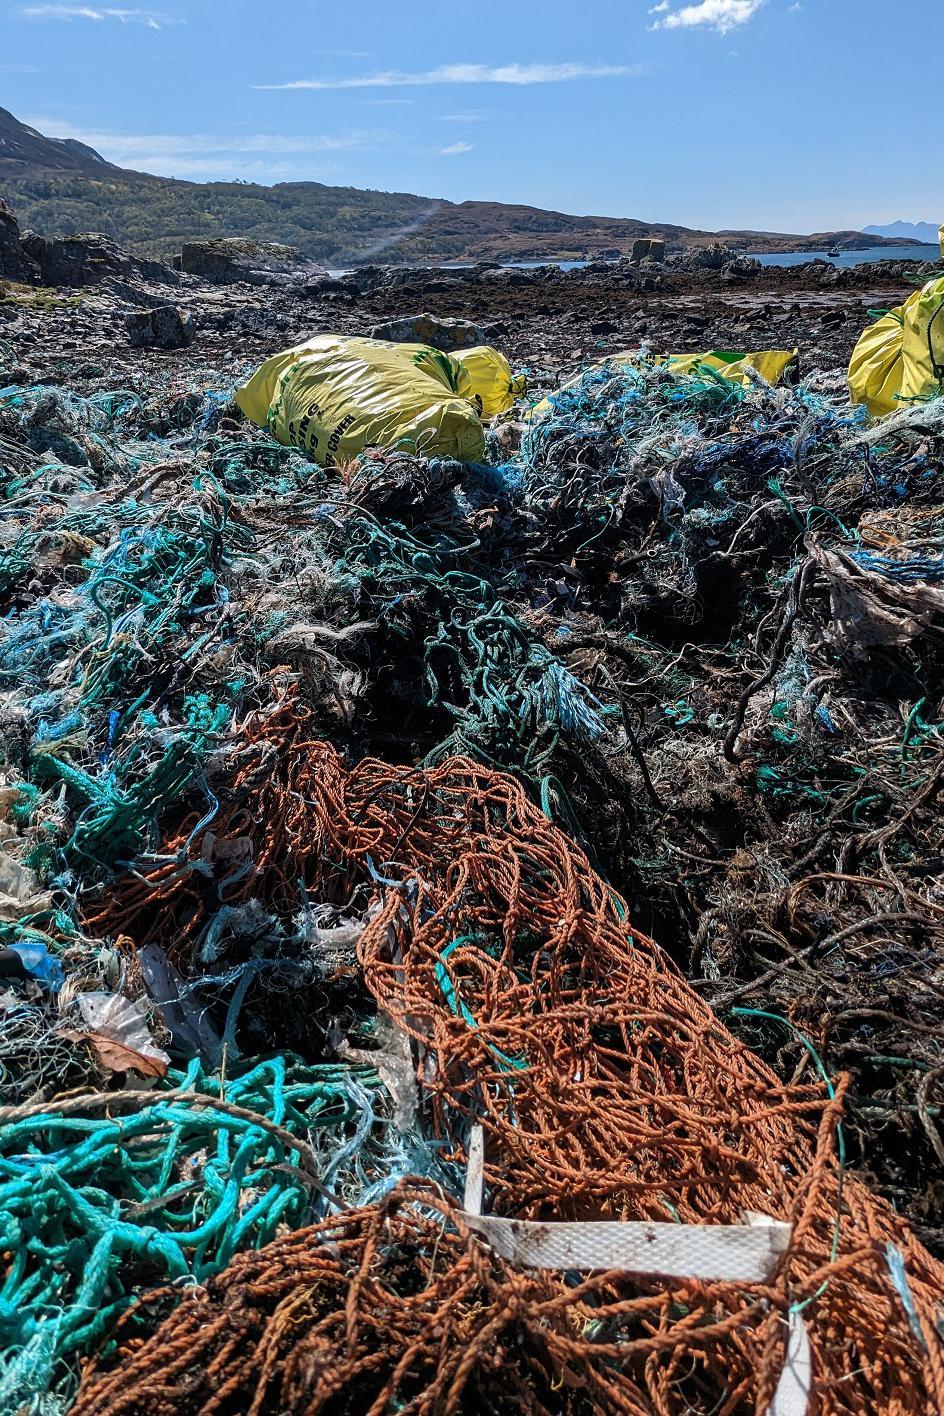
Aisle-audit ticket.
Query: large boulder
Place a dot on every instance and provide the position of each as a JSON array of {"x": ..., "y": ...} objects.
[
  {"x": 515, "y": 276},
  {"x": 90, "y": 258},
  {"x": 446, "y": 335},
  {"x": 651, "y": 249},
  {"x": 14, "y": 264},
  {"x": 164, "y": 327},
  {"x": 714, "y": 256},
  {"x": 234, "y": 260},
  {"x": 741, "y": 268},
  {"x": 366, "y": 278}
]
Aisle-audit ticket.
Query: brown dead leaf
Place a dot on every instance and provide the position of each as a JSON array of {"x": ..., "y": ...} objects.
[{"x": 116, "y": 1057}]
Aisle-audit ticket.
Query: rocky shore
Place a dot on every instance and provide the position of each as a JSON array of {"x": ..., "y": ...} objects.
[{"x": 82, "y": 311}]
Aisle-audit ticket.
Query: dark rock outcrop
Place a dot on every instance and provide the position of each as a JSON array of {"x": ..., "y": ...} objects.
[
  {"x": 13, "y": 260},
  {"x": 232, "y": 260},
  {"x": 89, "y": 259}
]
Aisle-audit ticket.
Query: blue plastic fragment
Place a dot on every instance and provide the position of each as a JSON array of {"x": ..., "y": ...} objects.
[{"x": 44, "y": 967}]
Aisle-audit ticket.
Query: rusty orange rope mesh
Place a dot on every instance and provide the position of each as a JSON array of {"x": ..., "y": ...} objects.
[
  {"x": 607, "y": 1090},
  {"x": 396, "y": 1307}
]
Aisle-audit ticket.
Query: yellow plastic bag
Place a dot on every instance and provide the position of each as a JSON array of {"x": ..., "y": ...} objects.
[
  {"x": 771, "y": 364},
  {"x": 333, "y": 396},
  {"x": 900, "y": 358},
  {"x": 489, "y": 379}
]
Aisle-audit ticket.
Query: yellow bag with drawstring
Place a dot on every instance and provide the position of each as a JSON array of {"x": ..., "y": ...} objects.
[
  {"x": 489, "y": 379},
  {"x": 336, "y": 395},
  {"x": 772, "y": 364},
  {"x": 900, "y": 358}
]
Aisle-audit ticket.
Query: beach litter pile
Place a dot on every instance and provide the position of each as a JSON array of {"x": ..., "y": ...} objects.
[{"x": 472, "y": 932}]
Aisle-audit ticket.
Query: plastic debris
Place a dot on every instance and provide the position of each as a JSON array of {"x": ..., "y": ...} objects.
[
  {"x": 118, "y": 1030},
  {"x": 36, "y": 960},
  {"x": 334, "y": 396},
  {"x": 900, "y": 358},
  {"x": 772, "y": 365},
  {"x": 352, "y": 796}
]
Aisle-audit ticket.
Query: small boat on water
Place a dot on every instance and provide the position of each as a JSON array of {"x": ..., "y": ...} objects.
[{"x": 832, "y": 253}]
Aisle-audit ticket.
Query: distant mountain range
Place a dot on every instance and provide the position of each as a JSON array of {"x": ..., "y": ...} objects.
[
  {"x": 906, "y": 232},
  {"x": 59, "y": 187}
]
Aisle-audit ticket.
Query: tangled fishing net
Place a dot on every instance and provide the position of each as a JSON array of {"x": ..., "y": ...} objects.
[
  {"x": 102, "y": 1194},
  {"x": 377, "y": 775},
  {"x": 398, "y": 1307},
  {"x": 606, "y": 1088}
]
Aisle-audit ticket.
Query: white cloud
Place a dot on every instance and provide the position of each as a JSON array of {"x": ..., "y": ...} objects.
[
  {"x": 454, "y": 149},
  {"x": 720, "y": 15},
  {"x": 519, "y": 74},
  {"x": 460, "y": 117},
  {"x": 214, "y": 154},
  {"x": 225, "y": 169},
  {"x": 151, "y": 19}
]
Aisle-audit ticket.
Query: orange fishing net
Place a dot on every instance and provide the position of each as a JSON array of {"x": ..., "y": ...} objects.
[
  {"x": 606, "y": 1089},
  {"x": 397, "y": 1307}
]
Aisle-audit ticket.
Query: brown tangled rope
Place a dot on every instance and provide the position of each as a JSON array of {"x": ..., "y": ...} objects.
[
  {"x": 397, "y": 1307},
  {"x": 607, "y": 1089}
]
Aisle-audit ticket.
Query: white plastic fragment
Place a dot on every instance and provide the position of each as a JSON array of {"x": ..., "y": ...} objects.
[
  {"x": 796, "y": 1380},
  {"x": 733, "y": 1253},
  {"x": 20, "y": 892},
  {"x": 393, "y": 1060},
  {"x": 475, "y": 1173},
  {"x": 117, "y": 1018}
]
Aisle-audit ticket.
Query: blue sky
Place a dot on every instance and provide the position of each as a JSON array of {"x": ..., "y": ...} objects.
[{"x": 790, "y": 115}]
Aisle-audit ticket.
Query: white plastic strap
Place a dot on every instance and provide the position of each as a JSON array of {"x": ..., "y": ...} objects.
[
  {"x": 474, "y": 1173},
  {"x": 796, "y": 1380},
  {"x": 717, "y": 1253},
  {"x": 710, "y": 1253}
]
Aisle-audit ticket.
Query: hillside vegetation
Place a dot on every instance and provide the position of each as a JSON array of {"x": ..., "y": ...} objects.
[
  {"x": 61, "y": 187},
  {"x": 156, "y": 217}
]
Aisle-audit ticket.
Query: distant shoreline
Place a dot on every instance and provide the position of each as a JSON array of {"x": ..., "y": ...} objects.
[{"x": 866, "y": 255}]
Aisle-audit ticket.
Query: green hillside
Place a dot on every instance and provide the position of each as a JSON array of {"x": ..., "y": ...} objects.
[
  {"x": 60, "y": 187},
  {"x": 156, "y": 216}
]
